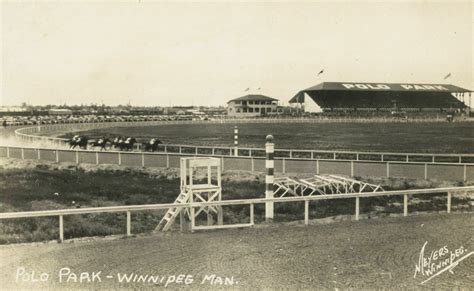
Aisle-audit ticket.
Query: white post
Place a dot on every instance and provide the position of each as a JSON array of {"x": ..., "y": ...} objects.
[
  {"x": 57, "y": 156},
  {"x": 143, "y": 160},
  {"x": 167, "y": 161},
  {"x": 8, "y": 152},
  {"x": 357, "y": 208},
  {"x": 39, "y": 154},
  {"x": 96, "y": 158},
  {"x": 77, "y": 157},
  {"x": 252, "y": 219},
  {"x": 352, "y": 168},
  {"x": 23, "y": 157},
  {"x": 119, "y": 159},
  {"x": 236, "y": 141},
  {"x": 405, "y": 205},
  {"x": 269, "y": 178},
  {"x": 426, "y": 171},
  {"x": 449, "y": 203},
  {"x": 306, "y": 212},
  {"x": 388, "y": 170},
  {"x": 129, "y": 223},
  {"x": 61, "y": 228}
]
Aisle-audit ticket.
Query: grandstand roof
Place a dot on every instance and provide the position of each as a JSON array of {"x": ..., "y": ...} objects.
[
  {"x": 403, "y": 87},
  {"x": 253, "y": 97},
  {"x": 336, "y": 94}
]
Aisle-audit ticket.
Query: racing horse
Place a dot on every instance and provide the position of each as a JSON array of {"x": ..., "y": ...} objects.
[
  {"x": 117, "y": 141},
  {"x": 152, "y": 145},
  {"x": 101, "y": 142},
  {"x": 127, "y": 144},
  {"x": 77, "y": 140}
]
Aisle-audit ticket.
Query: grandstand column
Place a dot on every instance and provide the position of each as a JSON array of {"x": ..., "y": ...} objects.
[
  {"x": 236, "y": 141},
  {"x": 269, "y": 165}
]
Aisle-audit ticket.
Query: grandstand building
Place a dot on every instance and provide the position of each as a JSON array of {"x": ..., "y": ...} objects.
[
  {"x": 252, "y": 105},
  {"x": 386, "y": 97}
]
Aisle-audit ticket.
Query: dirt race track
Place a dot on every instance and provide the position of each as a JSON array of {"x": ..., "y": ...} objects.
[{"x": 375, "y": 253}]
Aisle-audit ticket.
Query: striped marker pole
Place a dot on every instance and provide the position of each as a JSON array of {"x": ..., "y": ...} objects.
[
  {"x": 236, "y": 140},
  {"x": 269, "y": 165}
]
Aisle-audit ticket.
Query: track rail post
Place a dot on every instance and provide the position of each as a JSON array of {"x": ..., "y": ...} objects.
[
  {"x": 448, "y": 206},
  {"x": 405, "y": 205},
  {"x": 357, "y": 208},
  {"x": 61, "y": 229},
  {"x": 252, "y": 215},
  {"x": 129, "y": 223},
  {"x": 306, "y": 212}
]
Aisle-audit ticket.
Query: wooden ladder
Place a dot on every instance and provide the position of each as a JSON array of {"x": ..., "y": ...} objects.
[{"x": 172, "y": 212}]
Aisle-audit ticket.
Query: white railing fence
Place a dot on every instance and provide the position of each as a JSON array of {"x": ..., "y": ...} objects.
[{"x": 251, "y": 202}]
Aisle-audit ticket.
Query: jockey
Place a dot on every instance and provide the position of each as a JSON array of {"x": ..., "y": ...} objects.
[
  {"x": 127, "y": 141},
  {"x": 101, "y": 140},
  {"x": 152, "y": 141}
]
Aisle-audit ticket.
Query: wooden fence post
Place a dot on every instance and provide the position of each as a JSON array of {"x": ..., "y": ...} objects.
[
  {"x": 449, "y": 203},
  {"x": 357, "y": 209},
  {"x": 306, "y": 212},
  {"x": 252, "y": 216},
  {"x": 61, "y": 229},
  {"x": 405, "y": 205},
  {"x": 129, "y": 223}
]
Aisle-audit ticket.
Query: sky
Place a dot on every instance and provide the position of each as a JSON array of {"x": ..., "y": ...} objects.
[{"x": 206, "y": 53}]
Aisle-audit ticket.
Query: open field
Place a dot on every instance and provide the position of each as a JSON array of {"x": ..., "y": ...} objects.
[
  {"x": 434, "y": 137},
  {"x": 376, "y": 253}
]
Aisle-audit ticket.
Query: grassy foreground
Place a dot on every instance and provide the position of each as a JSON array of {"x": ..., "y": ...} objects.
[{"x": 29, "y": 185}]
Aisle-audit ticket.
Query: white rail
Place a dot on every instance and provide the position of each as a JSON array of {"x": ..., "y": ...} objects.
[
  {"x": 306, "y": 199},
  {"x": 433, "y": 158}
]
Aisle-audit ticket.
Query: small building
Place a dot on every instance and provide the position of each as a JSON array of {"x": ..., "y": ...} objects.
[{"x": 251, "y": 106}]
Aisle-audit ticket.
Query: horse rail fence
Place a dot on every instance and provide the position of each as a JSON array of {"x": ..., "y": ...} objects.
[
  {"x": 414, "y": 170},
  {"x": 251, "y": 202},
  {"x": 27, "y": 135}
]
